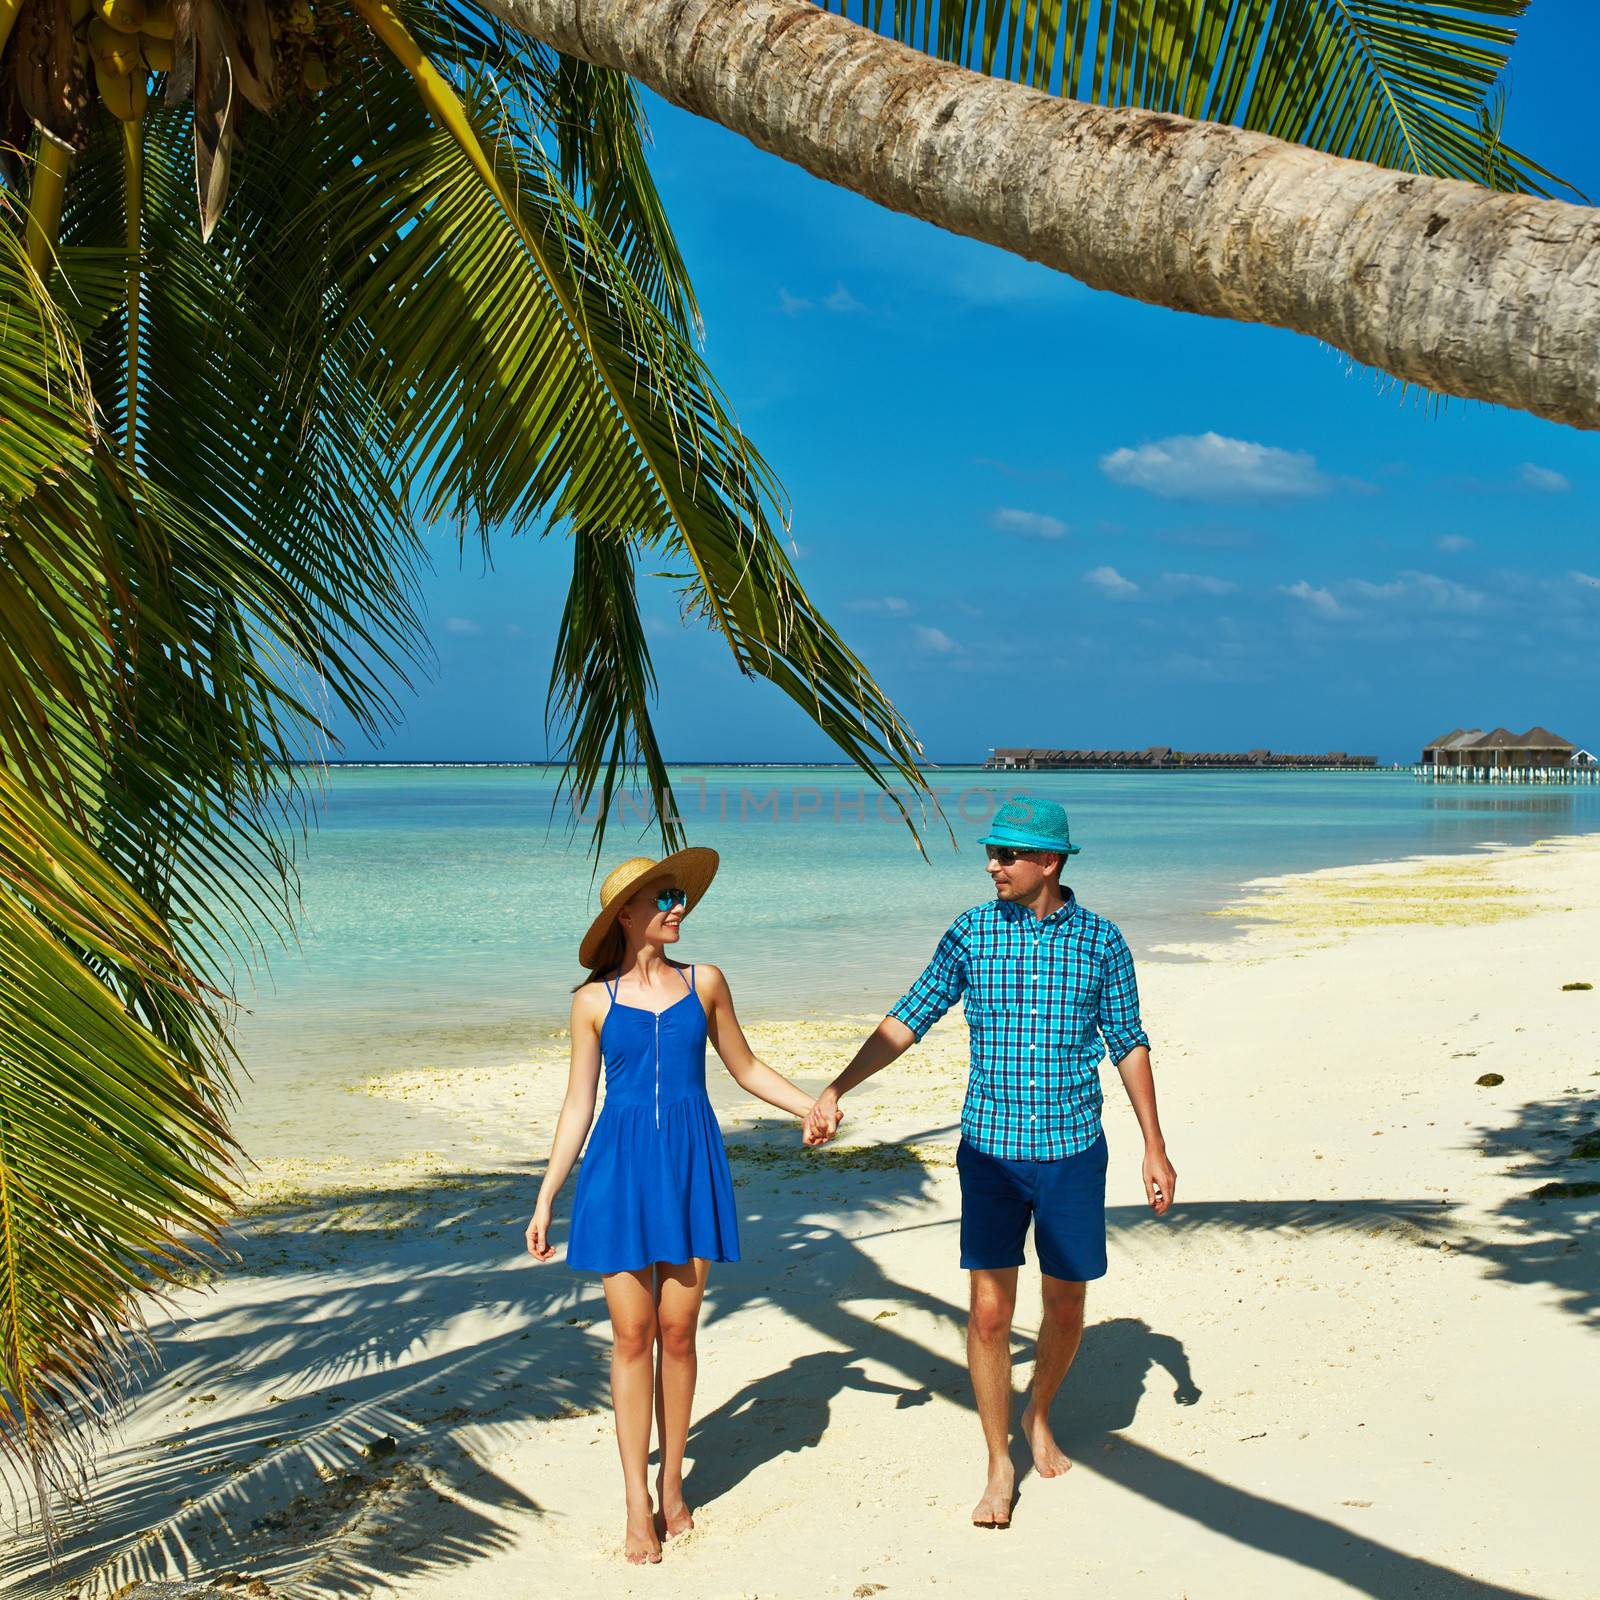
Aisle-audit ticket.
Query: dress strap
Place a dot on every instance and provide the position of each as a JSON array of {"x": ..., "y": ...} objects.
[
  {"x": 692, "y": 989},
  {"x": 611, "y": 987}
]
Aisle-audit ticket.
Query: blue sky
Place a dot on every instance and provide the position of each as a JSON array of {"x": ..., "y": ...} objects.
[{"x": 1043, "y": 515}]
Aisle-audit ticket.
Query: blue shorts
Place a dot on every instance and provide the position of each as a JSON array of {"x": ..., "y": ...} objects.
[{"x": 1065, "y": 1200}]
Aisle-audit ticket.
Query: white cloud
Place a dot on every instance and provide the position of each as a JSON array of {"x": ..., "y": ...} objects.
[
  {"x": 1208, "y": 466},
  {"x": 1376, "y": 591},
  {"x": 935, "y": 639},
  {"x": 1027, "y": 524},
  {"x": 1112, "y": 584},
  {"x": 463, "y": 627},
  {"x": 1199, "y": 582},
  {"x": 1427, "y": 589},
  {"x": 892, "y": 604},
  {"x": 1545, "y": 479},
  {"x": 1585, "y": 579},
  {"x": 1452, "y": 544},
  {"x": 1444, "y": 594},
  {"x": 1320, "y": 600},
  {"x": 838, "y": 298}
]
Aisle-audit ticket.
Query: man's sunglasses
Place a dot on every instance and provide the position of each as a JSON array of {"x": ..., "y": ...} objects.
[
  {"x": 668, "y": 898},
  {"x": 1005, "y": 856}
]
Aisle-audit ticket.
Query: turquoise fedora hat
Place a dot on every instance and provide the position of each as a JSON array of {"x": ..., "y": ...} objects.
[{"x": 1027, "y": 822}]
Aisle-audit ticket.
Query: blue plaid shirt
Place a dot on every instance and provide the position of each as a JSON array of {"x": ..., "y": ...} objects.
[{"x": 1041, "y": 995}]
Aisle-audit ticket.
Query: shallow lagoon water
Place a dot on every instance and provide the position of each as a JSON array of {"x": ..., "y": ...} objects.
[{"x": 443, "y": 906}]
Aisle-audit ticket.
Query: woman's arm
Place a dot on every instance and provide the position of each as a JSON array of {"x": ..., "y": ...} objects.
[
  {"x": 746, "y": 1069},
  {"x": 572, "y": 1126}
]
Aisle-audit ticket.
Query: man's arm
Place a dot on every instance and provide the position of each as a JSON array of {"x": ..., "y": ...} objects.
[
  {"x": 942, "y": 983},
  {"x": 1129, "y": 1047},
  {"x": 1160, "y": 1180},
  {"x": 887, "y": 1042}
]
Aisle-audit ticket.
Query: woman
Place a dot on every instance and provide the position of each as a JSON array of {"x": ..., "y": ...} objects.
[{"x": 654, "y": 1203}]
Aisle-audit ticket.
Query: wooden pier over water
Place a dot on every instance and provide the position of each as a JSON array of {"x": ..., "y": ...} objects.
[{"x": 1560, "y": 775}]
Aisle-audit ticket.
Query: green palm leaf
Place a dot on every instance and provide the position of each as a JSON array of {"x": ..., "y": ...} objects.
[
  {"x": 602, "y": 682},
  {"x": 592, "y": 123},
  {"x": 509, "y": 342},
  {"x": 211, "y": 534},
  {"x": 108, "y": 1154},
  {"x": 1401, "y": 83}
]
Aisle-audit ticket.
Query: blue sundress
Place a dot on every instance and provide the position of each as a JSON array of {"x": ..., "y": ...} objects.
[{"x": 654, "y": 1185}]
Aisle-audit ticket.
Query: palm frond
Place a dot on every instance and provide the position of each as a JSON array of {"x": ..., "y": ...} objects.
[
  {"x": 506, "y": 336},
  {"x": 602, "y": 684},
  {"x": 1400, "y": 83},
  {"x": 208, "y": 537},
  {"x": 109, "y": 1157},
  {"x": 592, "y": 122},
  {"x": 172, "y": 615}
]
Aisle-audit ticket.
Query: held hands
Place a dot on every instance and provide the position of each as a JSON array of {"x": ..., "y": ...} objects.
[
  {"x": 822, "y": 1121},
  {"x": 1160, "y": 1180},
  {"x": 539, "y": 1246}
]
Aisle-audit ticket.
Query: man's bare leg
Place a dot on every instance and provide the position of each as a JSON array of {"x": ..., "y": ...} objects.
[
  {"x": 1060, "y": 1332},
  {"x": 994, "y": 1298}
]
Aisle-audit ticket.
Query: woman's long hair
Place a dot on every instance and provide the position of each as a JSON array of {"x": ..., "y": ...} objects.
[{"x": 612, "y": 950}]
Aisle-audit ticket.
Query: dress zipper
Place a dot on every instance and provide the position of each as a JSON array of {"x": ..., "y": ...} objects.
[{"x": 658, "y": 1072}]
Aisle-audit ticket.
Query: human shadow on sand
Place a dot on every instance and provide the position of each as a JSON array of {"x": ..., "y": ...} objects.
[
  {"x": 1104, "y": 1390},
  {"x": 437, "y": 1322},
  {"x": 778, "y": 1414}
]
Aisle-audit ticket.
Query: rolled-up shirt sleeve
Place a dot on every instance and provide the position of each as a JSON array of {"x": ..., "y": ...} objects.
[
  {"x": 1119, "y": 1000},
  {"x": 942, "y": 983}
]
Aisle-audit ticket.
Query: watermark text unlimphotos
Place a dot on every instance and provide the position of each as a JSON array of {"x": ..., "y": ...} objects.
[{"x": 698, "y": 800}]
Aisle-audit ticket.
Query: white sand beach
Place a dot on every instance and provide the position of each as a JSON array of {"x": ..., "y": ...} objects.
[{"x": 1357, "y": 1358}]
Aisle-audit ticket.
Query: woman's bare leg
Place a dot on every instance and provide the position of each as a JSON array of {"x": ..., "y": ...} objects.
[
  {"x": 679, "y": 1292},
  {"x": 630, "y": 1299}
]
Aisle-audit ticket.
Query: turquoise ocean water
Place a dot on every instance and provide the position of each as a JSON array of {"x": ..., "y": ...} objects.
[{"x": 443, "y": 906}]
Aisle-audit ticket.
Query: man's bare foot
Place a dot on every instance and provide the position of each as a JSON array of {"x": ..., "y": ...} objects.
[
  {"x": 676, "y": 1517},
  {"x": 994, "y": 1509},
  {"x": 1048, "y": 1460},
  {"x": 641, "y": 1545}
]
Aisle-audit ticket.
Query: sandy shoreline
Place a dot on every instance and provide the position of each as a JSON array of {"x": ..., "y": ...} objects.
[{"x": 1357, "y": 1358}]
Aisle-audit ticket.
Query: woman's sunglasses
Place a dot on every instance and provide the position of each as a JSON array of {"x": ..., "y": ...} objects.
[{"x": 668, "y": 898}]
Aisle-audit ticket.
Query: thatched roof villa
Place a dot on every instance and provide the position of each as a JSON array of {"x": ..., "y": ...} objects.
[{"x": 1500, "y": 747}]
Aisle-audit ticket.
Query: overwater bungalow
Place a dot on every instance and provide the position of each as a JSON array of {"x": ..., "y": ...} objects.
[
  {"x": 1500, "y": 747},
  {"x": 1500, "y": 756}
]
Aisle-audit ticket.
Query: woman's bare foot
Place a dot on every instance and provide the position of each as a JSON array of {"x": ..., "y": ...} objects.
[
  {"x": 994, "y": 1509},
  {"x": 1048, "y": 1460},
  {"x": 641, "y": 1545},
  {"x": 676, "y": 1517}
]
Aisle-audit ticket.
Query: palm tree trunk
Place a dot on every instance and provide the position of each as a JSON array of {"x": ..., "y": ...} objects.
[{"x": 1442, "y": 284}]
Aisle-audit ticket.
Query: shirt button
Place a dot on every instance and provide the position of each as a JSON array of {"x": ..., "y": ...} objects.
[
  {"x": 1033, "y": 1119},
  {"x": 1033, "y": 1047},
  {"x": 1036, "y": 1011},
  {"x": 1030, "y": 1083}
]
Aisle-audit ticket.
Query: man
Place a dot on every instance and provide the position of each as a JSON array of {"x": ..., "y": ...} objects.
[{"x": 1045, "y": 982}]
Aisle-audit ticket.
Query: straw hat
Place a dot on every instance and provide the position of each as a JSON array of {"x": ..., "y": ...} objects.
[{"x": 690, "y": 870}]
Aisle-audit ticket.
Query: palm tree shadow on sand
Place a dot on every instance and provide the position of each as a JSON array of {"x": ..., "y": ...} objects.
[{"x": 279, "y": 1486}]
